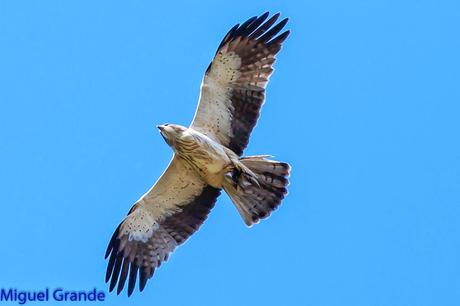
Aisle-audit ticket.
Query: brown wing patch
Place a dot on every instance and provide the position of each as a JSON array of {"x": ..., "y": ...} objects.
[{"x": 130, "y": 257}]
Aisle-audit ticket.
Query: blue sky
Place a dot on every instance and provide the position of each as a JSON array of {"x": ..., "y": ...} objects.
[{"x": 364, "y": 104}]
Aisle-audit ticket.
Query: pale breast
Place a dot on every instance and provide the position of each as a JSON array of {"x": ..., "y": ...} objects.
[{"x": 207, "y": 157}]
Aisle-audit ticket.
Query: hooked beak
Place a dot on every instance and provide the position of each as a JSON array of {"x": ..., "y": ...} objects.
[{"x": 162, "y": 129}]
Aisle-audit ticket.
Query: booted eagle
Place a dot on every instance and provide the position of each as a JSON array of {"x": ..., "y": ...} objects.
[{"x": 207, "y": 158}]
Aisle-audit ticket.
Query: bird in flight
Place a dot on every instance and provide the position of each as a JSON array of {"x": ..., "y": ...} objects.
[{"x": 207, "y": 158}]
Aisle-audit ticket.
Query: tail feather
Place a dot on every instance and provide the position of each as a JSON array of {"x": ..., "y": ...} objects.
[
  {"x": 261, "y": 165},
  {"x": 256, "y": 200}
]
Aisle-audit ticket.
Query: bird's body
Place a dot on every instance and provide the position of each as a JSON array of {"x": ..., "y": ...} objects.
[{"x": 207, "y": 159}]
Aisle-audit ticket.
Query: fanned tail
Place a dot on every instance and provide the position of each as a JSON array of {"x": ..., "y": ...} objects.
[{"x": 257, "y": 186}]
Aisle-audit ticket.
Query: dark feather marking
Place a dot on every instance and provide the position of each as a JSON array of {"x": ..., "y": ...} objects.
[
  {"x": 256, "y": 43},
  {"x": 123, "y": 275},
  {"x": 280, "y": 38},
  {"x": 132, "y": 278},
  {"x": 265, "y": 26},
  {"x": 143, "y": 277},
  {"x": 116, "y": 271},
  {"x": 173, "y": 231},
  {"x": 255, "y": 24},
  {"x": 227, "y": 36},
  {"x": 273, "y": 31},
  {"x": 110, "y": 266},
  {"x": 244, "y": 26}
]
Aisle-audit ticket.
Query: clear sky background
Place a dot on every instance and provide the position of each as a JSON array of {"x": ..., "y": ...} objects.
[{"x": 364, "y": 103}]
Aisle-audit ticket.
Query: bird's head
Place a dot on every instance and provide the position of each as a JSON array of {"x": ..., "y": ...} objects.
[{"x": 171, "y": 133}]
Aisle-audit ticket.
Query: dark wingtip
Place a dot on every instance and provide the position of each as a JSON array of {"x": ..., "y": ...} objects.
[
  {"x": 248, "y": 22},
  {"x": 107, "y": 252},
  {"x": 113, "y": 246},
  {"x": 273, "y": 31},
  {"x": 280, "y": 38},
  {"x": 145, "y": 275},
  {"x": 116, "y": 272},
  {"x": 264, "y": 27},
  {"x": 123, "y": 275},
  {"x": 132, "y": 278},
  {"x": 263, "y": 17},
  {"x": 109, "y": 247},
  {"x": 112, "y": 241},
  {"x": 108, "y": 273}
]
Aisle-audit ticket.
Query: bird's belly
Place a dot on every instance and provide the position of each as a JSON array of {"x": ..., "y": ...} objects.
[
  {"x": 210, "y": 162},
  {"x": 213, "y": 174}
]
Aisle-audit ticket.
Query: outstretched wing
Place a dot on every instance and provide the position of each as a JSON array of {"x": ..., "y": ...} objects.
[
  {"x": 171, "y": 211},
  {"x": 233, "y": 88}
]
